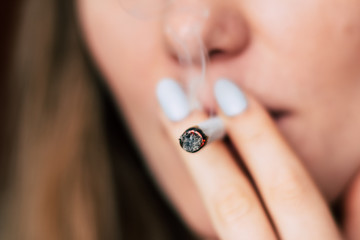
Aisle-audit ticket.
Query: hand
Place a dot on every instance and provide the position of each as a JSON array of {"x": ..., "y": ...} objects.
[{"x": 292, "y": 206}]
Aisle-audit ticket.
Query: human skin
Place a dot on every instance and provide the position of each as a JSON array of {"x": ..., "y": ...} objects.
[{"x": 297, "y": 57}]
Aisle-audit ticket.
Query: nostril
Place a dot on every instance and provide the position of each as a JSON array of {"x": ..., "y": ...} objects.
[{"x": 223, "y": 34}]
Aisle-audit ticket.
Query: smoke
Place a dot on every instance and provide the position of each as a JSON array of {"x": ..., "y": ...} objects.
[
  {"x": 183, "y": 23},
  {"x": 190, "y": 49}
]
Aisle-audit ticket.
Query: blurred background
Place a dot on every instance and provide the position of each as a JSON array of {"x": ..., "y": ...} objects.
[
  {"x": 7, "y": 28},
  {"x": 8, "y": 23}
]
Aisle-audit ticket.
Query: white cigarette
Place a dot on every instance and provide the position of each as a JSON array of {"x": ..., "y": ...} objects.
[{"x": 195, "y": 138}]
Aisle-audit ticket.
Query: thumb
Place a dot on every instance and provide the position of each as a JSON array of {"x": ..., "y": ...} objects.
[{"x": 352, "y": 210}]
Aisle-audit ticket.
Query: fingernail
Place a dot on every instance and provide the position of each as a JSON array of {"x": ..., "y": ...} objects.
[
  {"x": 229, "y": 97},
  {"x": 172, "y": 99}
]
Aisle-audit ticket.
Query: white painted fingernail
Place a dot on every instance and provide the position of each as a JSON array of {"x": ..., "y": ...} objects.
[
  {"x": 172, "y": 99},
  {"x": 230, "y": 98}
]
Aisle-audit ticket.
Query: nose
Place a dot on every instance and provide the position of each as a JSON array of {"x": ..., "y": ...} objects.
[{"x": 212, "y": 25}]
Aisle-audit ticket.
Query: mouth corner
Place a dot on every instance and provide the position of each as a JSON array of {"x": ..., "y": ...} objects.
[{"x": 278, "y": 114}]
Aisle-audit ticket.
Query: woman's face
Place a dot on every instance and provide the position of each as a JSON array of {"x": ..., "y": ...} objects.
[{"x": 301, "y": 57}]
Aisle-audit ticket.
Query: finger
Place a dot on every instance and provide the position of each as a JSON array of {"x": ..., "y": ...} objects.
[
  {"x": 232, "y": 204},
  {"x": 294, "y": 202},
  {"x": 352, "y": 210}
]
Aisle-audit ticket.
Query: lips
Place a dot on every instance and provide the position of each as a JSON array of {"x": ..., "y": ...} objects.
[
  {"x": 279, "y": 116},
  {"x": 276, "y": 111},
  {"x": 276, "y": 115}
]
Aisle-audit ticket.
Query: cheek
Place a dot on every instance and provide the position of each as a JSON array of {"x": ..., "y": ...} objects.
[
  {"x": 314, "y": 36},
  {"x": 312, "y": 60},
  {"x": 129, "y": 64}
]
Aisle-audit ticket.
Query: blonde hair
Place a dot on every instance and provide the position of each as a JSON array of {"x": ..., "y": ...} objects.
[
  {"x": 60, "y": 176},
  {"x": 61, "y": 182}
]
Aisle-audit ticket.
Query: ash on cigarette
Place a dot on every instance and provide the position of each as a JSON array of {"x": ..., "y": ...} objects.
[{"x": 192, "y": 141}]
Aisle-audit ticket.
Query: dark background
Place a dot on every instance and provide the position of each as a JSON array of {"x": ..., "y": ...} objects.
[
  {"x": 9, "y": 12},
  {"x": 7, "y": 29}
]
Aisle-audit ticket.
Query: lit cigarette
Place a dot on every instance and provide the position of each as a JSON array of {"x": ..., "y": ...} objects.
[{"x": 195, "y": 138}]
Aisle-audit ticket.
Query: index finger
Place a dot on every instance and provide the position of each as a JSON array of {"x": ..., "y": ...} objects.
[{"x": 293, "y": 200}]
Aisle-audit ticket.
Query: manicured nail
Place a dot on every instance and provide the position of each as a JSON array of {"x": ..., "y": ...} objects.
[
  {"x": 172, "y": 99},
  {"x": 230, "y": 98}
]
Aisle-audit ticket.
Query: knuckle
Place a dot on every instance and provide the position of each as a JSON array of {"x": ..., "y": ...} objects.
[
  {"x": 254, "y": 136},
  {"x": 232, "y": 205},
  {"x": 288, "y": 189}
]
